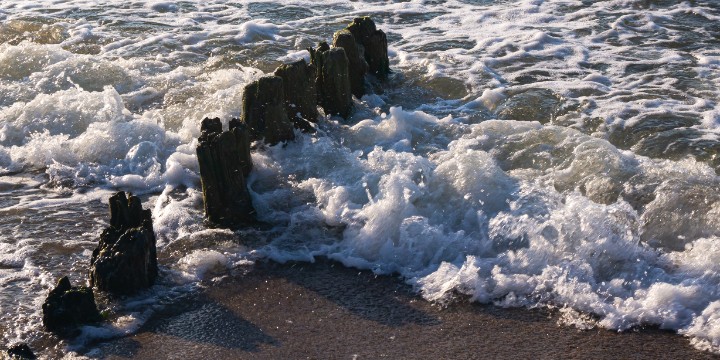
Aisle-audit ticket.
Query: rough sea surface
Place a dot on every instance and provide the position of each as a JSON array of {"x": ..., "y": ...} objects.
[{"x": 559, "y": 153}]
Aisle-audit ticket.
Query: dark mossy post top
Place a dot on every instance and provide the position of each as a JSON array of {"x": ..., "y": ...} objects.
[
  {"x": 68, "y": 307},
  {"x": 209, "y": 127},
  {"x": 127, "y": 212},
  {"x": 362, "y": 28},
  {"x": 374, "y": 44}
]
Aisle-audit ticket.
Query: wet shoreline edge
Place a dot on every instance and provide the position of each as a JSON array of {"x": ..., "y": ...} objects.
[{"x": 326, "y": 310}]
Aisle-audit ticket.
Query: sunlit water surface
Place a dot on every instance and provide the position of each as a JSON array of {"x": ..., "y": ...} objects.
[{"x": 523, "y": 153}]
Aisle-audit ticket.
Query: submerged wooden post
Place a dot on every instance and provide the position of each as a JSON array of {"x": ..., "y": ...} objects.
[
  {"x": 20, "y": 351},
  {"x": 333, "y": 80},
  {"x": 357, "y": 66},
  {"x": 300, "y": 93},
  {"x": 263, "y": 111},
  {"x": 125, "y": 260},
  {"x": 224, "y": 159},
  {"x": 374, "y": 42}
]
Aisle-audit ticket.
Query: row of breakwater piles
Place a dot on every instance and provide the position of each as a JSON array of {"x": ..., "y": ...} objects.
[
  {"x": 273, "y": 105},
  {"x": 566, "y": 160},
  {"x": 125, "y": 260}
]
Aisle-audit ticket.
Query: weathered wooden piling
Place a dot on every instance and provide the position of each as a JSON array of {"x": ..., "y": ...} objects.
[
  {"x": 333, "y": 80},
  {"x": 263, "y": 111},
  {"x": 224, "y": 159},
  {"x": 300, "y": 93},
  {"x": 357, "y": 66},
  {"x": 67, "y": 307},
  {"x": 242, "y": 138},
  {"x": 125, "y": 260},
  {"x": 20, "y": 352},
  {"x": 374, "y": 43}
]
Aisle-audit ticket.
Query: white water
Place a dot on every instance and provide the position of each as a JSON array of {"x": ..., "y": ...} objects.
[{"x": 423, "y": 180}]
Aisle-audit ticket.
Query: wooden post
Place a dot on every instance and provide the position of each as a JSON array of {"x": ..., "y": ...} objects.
[
  {"x": 333, "y": 80},
  {"x": 242, "y": 137},
  {"x": 357, "y": 65},
  {"x": 67, "y": 307},
  {"x": 374, "y": 42},
  {"x": 20, "y": 351},
  {"x": 224, "y": 159},
  {"x": 263, "y": 111},
  {"x": 125, "y": 259},
  {"x": 300, "y": 93}
]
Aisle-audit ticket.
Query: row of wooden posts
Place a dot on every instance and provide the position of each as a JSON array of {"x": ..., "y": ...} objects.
[
  {"x": 125, "y": 260},
  {"x": 275, "y": 104}
]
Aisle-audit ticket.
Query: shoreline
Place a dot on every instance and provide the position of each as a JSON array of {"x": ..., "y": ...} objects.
[{"x": 324, "y": 310}]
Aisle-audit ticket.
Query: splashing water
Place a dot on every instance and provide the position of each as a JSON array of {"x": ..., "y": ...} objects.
[{"x": 523, "y": 153}]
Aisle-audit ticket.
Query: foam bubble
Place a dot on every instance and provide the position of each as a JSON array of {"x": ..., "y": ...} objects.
[
  {"x": 201, "y": 263},
  {"x": 163, "y": 6}
]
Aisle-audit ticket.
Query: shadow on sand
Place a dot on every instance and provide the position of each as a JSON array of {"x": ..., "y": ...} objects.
[
  {"x": 381, "y": 299},
  {"x": 197, "y": 321}
]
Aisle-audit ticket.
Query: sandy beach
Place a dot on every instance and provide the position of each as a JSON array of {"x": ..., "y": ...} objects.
[
  {"x": 554, "y": 151},
  {"x": 327, "y": 311}
]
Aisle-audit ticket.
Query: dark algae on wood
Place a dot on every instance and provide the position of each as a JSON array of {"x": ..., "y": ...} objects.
[
  {"x": 20, "y": 351},
  {"x": 357, "y": 50},
  {"x": 125, "y": 260},
  {"x": 263, "y": 111},
  {"x": 276, "y": 104},
  {"x": 224, "y": 159},
  {"x": 357, "y": 66},
  {"x": 333, "y": 80},
  {"x": 242, "y": 139},
  {"x": 68, "y": 307},
  {"x": 300, "y": 93},
  {"x": 374, "y": 45}
]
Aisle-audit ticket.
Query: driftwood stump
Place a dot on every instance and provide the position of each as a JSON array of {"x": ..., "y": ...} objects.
[
  {"x": 300, "y": 93},
  {"x": 125, "y": 260},
  {"x": 68, "y": 307},
  {"x": 374, "y": 43},
  {"x": 263, "y": 111},
  {"x": 333, "y": 80},
  {"x": 224, "y": 159},
  {"x": 357, "y": 66},
  {"x": 20, "y": 352}
]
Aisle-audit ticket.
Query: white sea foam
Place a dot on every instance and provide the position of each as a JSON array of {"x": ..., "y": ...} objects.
[
  {"x": 421, "y": 181},
  {"x": 200, "y": 263}
]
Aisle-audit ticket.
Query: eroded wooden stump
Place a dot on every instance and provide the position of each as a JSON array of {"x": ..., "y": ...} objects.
[
  {"x": 357, "y": 66},
  {"x": 242, "y": 138},
  {"x": 67, "y": 307},
  {"x": 125, "y": 260},
  {"x": 374, "y": 43},
  {"x": 333, "y": 80},
  {"x": 224, "y": 159},
  {"x": 20, "y": 352},
  {"x": 263, "y": 111},
  {"x": 300, "y": 93}
]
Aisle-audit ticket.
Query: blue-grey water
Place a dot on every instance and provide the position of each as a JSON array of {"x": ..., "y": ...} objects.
[{"x": 523, "y": 153}]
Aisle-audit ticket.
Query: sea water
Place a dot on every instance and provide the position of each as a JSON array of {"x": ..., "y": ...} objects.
[{"x": 559, "y": 153}]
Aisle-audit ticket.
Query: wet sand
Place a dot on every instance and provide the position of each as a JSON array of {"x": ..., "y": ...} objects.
[{"x": 326, "y": 311}]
